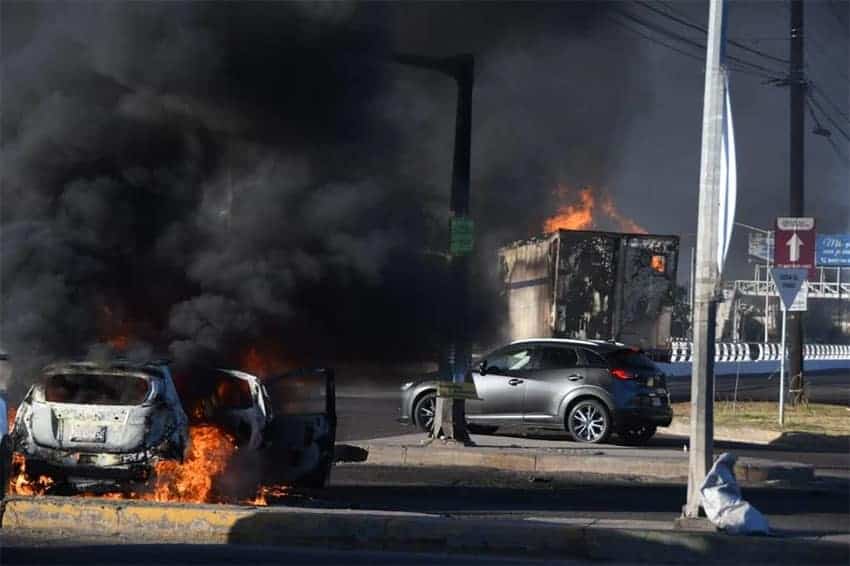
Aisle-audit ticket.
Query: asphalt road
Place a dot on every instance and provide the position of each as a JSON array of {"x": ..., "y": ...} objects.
[
  {"x": 48, "y": 548},
  {"x": 370, "y": 411}
]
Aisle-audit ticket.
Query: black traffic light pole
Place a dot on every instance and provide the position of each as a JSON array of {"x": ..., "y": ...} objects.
[
  {"x": 461, "y": 68},
  {"x": 797, "y": 82}
]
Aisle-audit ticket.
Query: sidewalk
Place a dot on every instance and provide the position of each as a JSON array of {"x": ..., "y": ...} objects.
[{"x": 540, "y": 454}]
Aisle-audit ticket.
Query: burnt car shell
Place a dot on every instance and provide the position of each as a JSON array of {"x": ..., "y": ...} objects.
[
  {"x": 91, "y": 424},
  {"x": 299, "y": 439},
  {"x": 235, "y": 400}
]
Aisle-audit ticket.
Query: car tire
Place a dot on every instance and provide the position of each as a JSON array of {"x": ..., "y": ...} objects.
[
  {"x": 588, "y": 421},
  {"x": 637, "y": 436},
  {"x": 481, "y": 429},
  {"x": 424, "y": 411}
]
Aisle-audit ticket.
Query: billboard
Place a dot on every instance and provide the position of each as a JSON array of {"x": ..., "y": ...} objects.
[{"x": 833, "y": 250}]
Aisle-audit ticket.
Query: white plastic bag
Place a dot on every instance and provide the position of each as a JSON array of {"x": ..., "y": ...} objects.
[{"x": 723, "y": 504}]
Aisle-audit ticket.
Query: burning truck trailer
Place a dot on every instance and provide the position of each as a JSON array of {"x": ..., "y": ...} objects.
[{"x": 591, "y": 285}]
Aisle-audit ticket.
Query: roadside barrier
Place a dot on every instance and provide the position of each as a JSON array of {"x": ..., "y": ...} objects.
[{"x": 681, "y": 351}]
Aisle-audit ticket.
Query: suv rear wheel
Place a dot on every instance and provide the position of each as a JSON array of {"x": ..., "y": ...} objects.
[{"x": 588, "y": 421}]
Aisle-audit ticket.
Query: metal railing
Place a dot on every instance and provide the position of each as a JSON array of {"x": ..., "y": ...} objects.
[
  {"x": 681, "y": 351},
  {"x": 817, "y": 289}
]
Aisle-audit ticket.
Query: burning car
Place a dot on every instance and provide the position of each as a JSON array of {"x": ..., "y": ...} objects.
[
  {"x": 90, "y": 424},
  {"x": 234, "y": 400}
]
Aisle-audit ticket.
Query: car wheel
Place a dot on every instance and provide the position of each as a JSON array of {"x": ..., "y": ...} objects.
[
  {"x": 481, "y": 429},
  {"x": 639, "y": 435},
  {"x": 588, "y": 421},
  {"x": 424, "y": 411}
]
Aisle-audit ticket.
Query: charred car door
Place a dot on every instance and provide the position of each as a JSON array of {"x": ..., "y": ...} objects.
[{"x": 299, "y": 439}]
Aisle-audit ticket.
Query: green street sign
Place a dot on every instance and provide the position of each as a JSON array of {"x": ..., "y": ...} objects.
[{"x": 461, "y": 229}]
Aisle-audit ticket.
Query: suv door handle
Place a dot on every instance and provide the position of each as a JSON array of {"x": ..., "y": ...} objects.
[
  {"x": 514, "y": 381},
  {"x": 575, "y": 377}
]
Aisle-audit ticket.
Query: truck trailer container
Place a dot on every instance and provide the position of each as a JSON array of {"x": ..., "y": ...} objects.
[{"x": 591, "y": 285}]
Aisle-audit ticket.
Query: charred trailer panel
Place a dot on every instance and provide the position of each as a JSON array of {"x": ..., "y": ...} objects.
[{"x": 593, "y": 285}]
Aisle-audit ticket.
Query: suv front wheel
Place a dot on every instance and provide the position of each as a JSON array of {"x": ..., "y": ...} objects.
[{"x": 588, "y": 421}]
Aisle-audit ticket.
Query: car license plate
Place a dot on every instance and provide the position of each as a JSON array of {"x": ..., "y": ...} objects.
[
  {"x": 84, "y": 432},
  {"x": 656, "y": 402}
]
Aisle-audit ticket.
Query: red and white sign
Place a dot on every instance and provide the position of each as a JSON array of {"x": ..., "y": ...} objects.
[{"x": 795, "y": 243}]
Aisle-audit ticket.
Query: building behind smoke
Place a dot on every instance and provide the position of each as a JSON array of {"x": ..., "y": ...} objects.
[{"x": 593, "y": 285}]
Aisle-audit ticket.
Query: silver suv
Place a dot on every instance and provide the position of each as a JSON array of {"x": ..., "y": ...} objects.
[
  {"x": 589, "y": 388},
  {"x": 89, "y": 424}
]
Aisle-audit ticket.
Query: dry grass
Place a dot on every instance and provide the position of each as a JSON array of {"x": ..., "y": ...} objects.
[{"x": 814, "y": 418}]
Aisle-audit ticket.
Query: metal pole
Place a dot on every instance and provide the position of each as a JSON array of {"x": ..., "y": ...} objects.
[
  {"x": 766, "y": 295},
  {"x": 782, "y": 369},
  {"x": 705, "y": 303},
  {"x": 692, "y": 284},
  {"x": 460, "y": 263},
  {"x": 450, "y": 419},
  {"x": 796, "y": 181}
]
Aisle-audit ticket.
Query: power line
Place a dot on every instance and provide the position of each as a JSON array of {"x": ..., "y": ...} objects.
[
  {"x": 819, "y": 91},
  {"x": 826, "y": 114},
  {"x": 702, "y": 29},
  {"x": 699, "y": 58},
  {"x": 673, "y": 35},
  {"x": 826, "y": 134}
]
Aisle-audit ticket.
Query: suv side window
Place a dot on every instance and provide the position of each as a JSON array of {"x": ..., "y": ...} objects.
[
  {"x": 556, "y": 357},
  {"x": 592, "y": 359},
  {"x": 510, "y": 359}
]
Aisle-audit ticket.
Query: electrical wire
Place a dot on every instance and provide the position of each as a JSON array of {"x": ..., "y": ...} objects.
[
  {"x": 692, "y": 25},
  {"x": 829, "y": 118},
  {"x": 820, "y": 92},
  {"x": 699, "y": 58},
  {"x": 673, "y": 35}
]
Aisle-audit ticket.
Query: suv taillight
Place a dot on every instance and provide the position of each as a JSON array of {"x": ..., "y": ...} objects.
[{"x": 620, "y": 373}]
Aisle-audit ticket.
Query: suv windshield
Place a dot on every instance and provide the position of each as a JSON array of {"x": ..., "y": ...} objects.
[
  {"x": 95, "y": 389},
  {"x": 630, "y": 359}
]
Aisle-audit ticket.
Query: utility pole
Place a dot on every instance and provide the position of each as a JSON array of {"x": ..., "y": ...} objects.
[
  {"x": 450, "y": 418},
  {"x": 797, "y": 80},
  {"x": 707, "y": 270}
]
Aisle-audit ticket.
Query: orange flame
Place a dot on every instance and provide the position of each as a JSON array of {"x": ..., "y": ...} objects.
[
  {"x": 262, "y": 362},
  {"x": 20, "y": 484},
  {"x": 580, "y": 215},
  {"x": 193, "y": 481},
  {"x": 210, "y": 450},
  {"x": 113, "y": 330}
]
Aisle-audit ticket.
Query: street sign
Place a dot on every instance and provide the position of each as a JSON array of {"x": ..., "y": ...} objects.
[
  {"x": 460, "y": 228},
  {"x": 465, "y": 390},
  {"x": 795, "y": 243},
  {"x": 789, "y": 281},
  {"x": 833, "y": 250},
  {"x": 801, "y": 301},
  {"x": 761, "y": 246}
]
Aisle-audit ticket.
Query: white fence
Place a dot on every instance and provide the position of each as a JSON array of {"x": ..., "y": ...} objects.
[{"x": 743, "y": 352}]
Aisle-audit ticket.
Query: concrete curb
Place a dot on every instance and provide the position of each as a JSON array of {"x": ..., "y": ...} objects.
[
  {"x": 577, "y": 461},
  {"x": 726, "y": 434},
  {"x": 405, "y": 531}
]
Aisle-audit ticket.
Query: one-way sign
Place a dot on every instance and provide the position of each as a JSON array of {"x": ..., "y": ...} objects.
[
  {"x": 795, "y": 243},
  {"x": 788, "y": 281}
]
